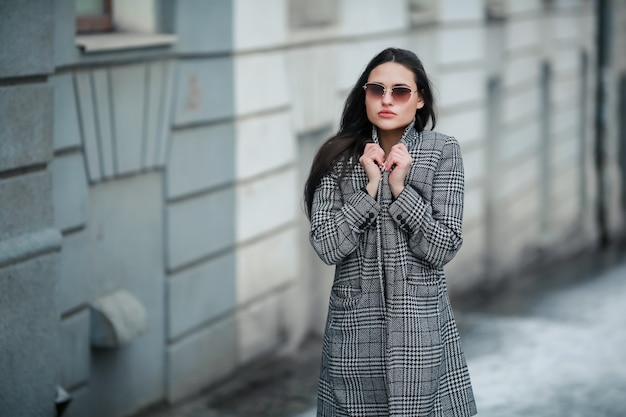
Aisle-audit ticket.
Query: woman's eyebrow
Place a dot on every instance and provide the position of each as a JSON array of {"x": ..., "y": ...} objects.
[{"x": 393, "y": 85}]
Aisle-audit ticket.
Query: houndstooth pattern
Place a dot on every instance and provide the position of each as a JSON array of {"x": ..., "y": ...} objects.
[{"x": 391, "y": 346}]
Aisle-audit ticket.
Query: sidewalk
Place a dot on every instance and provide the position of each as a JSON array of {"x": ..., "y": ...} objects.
[
  {"x": 551, "y": 345},
  {"x": 281, "y": 387},
  {"x": 559, "y": 353}
]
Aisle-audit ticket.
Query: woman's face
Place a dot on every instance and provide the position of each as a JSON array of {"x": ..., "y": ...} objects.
[{"x": 389, "y": 113}]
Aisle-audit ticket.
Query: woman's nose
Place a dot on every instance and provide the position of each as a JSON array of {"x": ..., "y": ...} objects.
[{"x": 386, "y": 98}]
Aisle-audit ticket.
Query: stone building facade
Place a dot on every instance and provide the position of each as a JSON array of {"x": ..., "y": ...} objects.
[{"x": 152, "y": 238}]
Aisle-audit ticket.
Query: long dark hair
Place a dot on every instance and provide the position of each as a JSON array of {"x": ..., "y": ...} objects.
[{"x": 355, "y": 130}]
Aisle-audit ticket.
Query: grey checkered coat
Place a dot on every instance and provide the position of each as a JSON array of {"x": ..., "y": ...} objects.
[{"x": 391, "y": 346}]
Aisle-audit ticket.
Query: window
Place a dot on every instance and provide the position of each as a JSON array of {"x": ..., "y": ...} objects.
[
  {"x": 495, "y": 170},
  {"x": 583, "y": 129},
  {"x": 94, "y": 16},
  {"x": 109, "y": 25},
  {"x": 422, "y": 11},
  {"x": 136, "y": 16},
  {"x": 419, "y": 6},
  {"x": 546, "y": 176},
  {"x": 495, "y": 9},
  {"x": 622, "y": 135},
  {"x": 307, "y": 14}
]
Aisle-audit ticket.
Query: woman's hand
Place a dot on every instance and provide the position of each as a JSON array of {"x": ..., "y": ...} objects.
[
  {"x": 398, "y": 162},
  {"x": 372, "y": 159}
]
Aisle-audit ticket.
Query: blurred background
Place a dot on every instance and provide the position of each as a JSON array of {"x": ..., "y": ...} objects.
[{"x": 153, "y": 153}]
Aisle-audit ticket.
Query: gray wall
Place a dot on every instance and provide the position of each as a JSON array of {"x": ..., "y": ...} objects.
[
  {"x": 29, "y": 241},
  {"x": 172, "y": 176}
]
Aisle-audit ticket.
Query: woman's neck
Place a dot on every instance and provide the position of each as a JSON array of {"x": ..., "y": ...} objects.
[{"x": 388, "y": 138}]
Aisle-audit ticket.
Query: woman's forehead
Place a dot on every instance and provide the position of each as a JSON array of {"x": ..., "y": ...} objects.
[{"x": 392, "y": 73}]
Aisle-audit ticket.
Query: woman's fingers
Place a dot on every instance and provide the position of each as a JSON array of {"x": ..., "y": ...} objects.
[
  {"x": 373, "y": 153},
  {"x": 398, "y": 157},
  {"x": 372, "y": 159},
  {"x": 376, "y": 152}
]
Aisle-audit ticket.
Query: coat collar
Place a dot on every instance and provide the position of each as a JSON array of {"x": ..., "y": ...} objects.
[{"x": 409, "y": 137}]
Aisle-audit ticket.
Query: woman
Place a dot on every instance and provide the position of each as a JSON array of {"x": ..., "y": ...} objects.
[{"x": 385, "y": 201}]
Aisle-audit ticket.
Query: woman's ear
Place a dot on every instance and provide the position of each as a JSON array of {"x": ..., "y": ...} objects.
[{"x": 420, "y": 102}]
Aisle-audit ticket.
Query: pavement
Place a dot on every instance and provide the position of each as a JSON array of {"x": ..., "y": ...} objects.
[
  {"x": 560, "y": 353},
  {"x": 550, "y": 344},
  {"x": 276, "y": 387}
]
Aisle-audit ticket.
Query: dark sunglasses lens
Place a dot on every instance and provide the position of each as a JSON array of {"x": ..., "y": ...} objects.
[
  {"x": 375, "y": 90},
  {"x": 401, "y": 93}
]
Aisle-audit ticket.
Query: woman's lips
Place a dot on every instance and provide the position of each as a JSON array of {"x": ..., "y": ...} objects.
[{"x": 386, "y": 114}]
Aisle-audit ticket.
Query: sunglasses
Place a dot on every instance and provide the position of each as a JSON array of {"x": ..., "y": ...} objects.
[{"x": 377, "y": 91}]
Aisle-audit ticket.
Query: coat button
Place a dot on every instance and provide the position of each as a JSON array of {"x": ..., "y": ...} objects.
[
  {"x": 399, "y": 217},
  {"x": 371, "y": 215}
]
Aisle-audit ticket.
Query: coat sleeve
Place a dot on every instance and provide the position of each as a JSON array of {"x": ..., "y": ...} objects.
[
  {"x": 337, "y": 224},
  {"x": 435, "y": 228}
]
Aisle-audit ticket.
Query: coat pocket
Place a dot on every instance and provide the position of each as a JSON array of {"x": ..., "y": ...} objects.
[
  {"x": 423, "y": 296},
  {"x": 346, "y": 292},
  {"x": 344, "y": 297}
]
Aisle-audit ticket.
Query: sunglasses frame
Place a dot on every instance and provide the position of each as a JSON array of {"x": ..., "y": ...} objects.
[{"x": 391, "y": 90}]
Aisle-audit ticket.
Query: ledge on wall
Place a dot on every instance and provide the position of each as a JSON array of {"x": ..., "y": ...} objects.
[
  {"x": 19, "y": 248},
  {"x": 110, "y": 42}
]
